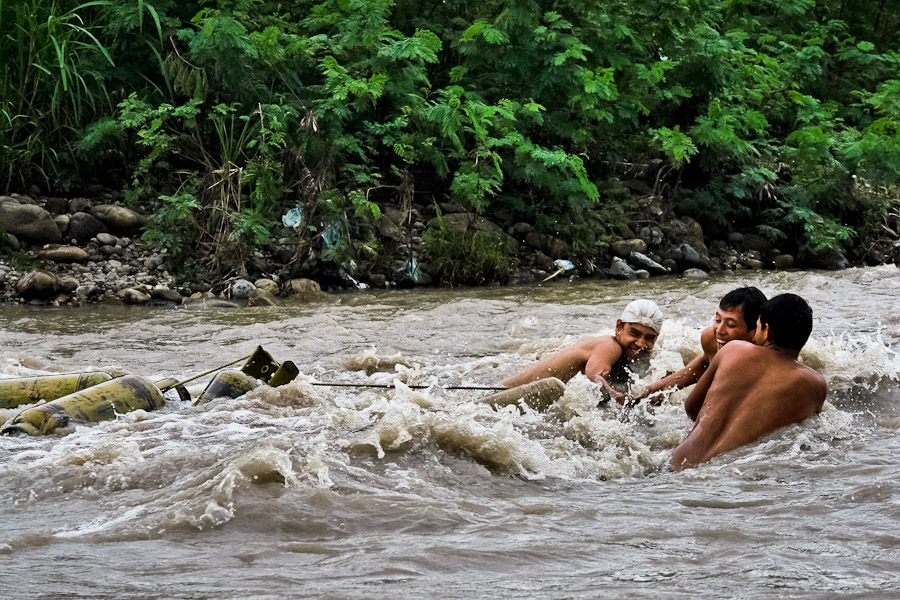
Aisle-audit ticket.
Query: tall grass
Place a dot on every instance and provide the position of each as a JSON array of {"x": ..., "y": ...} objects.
[{"x": 51, "y": 84}]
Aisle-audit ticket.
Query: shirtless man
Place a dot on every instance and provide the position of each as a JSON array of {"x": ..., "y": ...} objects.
[
  {"x": 735, "y": 320},
  {"x": 602, "y": 358},
  {"x": 750, "y": 391}
]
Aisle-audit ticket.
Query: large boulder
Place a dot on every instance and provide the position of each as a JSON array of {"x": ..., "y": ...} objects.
[
  {"x": 619, "y": 269},
  {"x": 118, "y": 218},
  {"x": 623, "y": 248},
  {"x": 38, "y": 284},
  {"x": 29, "y": 222},
  {"x": 302, "y": 287},
  {"x": 642, "y": 261},
  {"x": 83, "y": 227}
]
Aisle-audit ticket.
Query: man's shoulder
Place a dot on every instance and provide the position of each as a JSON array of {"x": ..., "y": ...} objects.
[{"x": 738, "y": 348}]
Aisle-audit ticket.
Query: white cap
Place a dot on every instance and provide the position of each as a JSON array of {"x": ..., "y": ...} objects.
[{"x": 643, "y": 312}]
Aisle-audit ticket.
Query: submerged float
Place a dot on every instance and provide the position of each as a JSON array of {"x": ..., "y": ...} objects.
[{"x": 97, "y": 396}]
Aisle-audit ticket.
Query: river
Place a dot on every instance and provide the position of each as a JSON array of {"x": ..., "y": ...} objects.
[{"x": 309, "y": 491}]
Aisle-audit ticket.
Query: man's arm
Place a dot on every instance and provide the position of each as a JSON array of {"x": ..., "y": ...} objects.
[
  {"x": 562, "y": 364},
  {"x": 606, "y": 353},
  {"x": 697, "y": 397},
  {"x": 688, "y": 375}
]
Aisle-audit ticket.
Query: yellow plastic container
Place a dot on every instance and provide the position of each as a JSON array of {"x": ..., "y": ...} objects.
[
  {"x": 227, "y": 384},
  {"x": 98, "y": 403},
  {"x": 28, "y": 390}
]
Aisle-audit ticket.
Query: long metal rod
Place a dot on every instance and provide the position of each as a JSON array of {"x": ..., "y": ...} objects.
[
  {"x": 486, "y": 388},
  {"x": 169, "y": 387}
]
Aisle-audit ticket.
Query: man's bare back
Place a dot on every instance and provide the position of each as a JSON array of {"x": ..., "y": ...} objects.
[{"x": 748, "y": 392}]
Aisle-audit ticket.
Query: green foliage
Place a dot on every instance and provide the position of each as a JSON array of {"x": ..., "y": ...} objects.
[
  {"x": 471, "y": 257},
  {"x": 761, "y": 112}
]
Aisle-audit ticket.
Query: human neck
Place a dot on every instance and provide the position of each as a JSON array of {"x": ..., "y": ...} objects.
[{"x": 791, "y": 353}]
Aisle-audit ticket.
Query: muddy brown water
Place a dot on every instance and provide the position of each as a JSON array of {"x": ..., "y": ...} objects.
[{"x": 324, "y": 492}]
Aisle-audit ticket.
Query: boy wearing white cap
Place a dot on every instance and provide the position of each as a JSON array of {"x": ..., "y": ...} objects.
[{"x": 601, "y": 358}]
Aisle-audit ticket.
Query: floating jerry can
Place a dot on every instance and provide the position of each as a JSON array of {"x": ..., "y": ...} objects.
[
  {"x": 28, "y": 390},
  {"x": 262, "y": 366},
  {"x": 228, "y": 384},
  {"x": 98, "y": 403},
  {"x": 539, "y": 394}
]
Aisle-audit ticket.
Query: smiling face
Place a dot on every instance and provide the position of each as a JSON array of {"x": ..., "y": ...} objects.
[
  {"x": 635, "y": 339},
  {"x": 730, "y": 325}
]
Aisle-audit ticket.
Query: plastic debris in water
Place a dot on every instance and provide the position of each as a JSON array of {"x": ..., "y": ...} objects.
[{"x": 565, "y": 265}]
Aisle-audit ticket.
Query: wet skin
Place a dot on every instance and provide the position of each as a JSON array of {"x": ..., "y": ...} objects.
[
  {"x": 728, "y": 325},
  {"x": 593, "y": 356}
]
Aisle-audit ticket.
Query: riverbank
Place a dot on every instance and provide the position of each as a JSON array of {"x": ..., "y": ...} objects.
[{"x": 73, "y": 251}]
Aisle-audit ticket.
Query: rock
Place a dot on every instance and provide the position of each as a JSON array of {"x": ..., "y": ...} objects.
[
  {"x": 686, "y": 228},
  {"x": 62, "y": 222},
  {"x": 68, "y": 284},
  {"x": 28, "y": 221},
  {"x": 641, "y": 261},
  {"x": 389, "y": 228},
  {"x": 80, "y": 205},
  {"x": 752, "y": 241},
  {"x": 302, "y": 287},
  {"x": 695, "y": 274},
  {"x": 166, "y": 295},
  {"x": 783, "y": 261},
  {"x": 377, "y": 280},
  {"x": 13, "y": 242},
  {"x": 241, "y": 288},
  {"x": 550, "y": 245},
  {"x": 107, "y": 239},
  {"x": 735, "y": 237},
  {"x": 56, "y": 206},
  {"x": 829, "y": 258},
  {"x": 119, "y": 218},
  {"x": 520, "y": 230},
  {"x": 653, "y": 235},
  {"x": 133, "y": 296},
  {"x": 153, "y": 262},
  {"x": 38, "y": 284},
  {"x": 84, "y": 292},
  {"x": 83, "y": 227},
  {"x": 63, "y": 254},
  {"x": 686, "y": 256},
  {"x": 266, "y": 285},
  {"x": 642, "y": 273},
  {"x": 753, "y": 263},
  {"x": 623, "y": 248},
  {"x": 260, "y": 297},
  {"x": 619, "y": 269}
]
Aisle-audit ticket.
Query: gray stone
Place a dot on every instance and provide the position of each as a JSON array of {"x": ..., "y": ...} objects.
[
  {"x": 623, "y": 248},
  {"x": 107, "y": 239},
  {"x": 114, "y": 264},
  {"x": 641, "y": 261},
  {"x": 80, "y": 205},
  {"x": 84, "y": 292},
  {"x": 686, "y": 256},
  {"x": 652, "y": 235},
  {"x": 830, "y": 259},
  {"x": 30, "y": 222},
  {"x": 267, "y": 285},
  {"x": 63, "y": 254},
  {"x": 642, "y": 273},
  {"x": 133, "y": 296},
  {"x": 13, "y": 242},
  {"x": 389, "y": 228},
  {"x": 166, "y": 295},
  {"x": 520, "y": 230},
  {"x": 56, "y": 206},
  {"x": 695, "y": 274},
  {"x": 752, "y": 263},
  {"x": 38, "y": 284},
  {"x": 154, "y": 261},
  {"x": 62, "y": 222},
  {"x": 83, "y": 227},
  {"x": 119, "y": 218},
  {"x": 241, "y": 288},
  {"x": 619, "y": 269},
  {"x": 735, "y": 237},
  {"x": 783, "y": 261},
  {"x": 68, "y": 284}
]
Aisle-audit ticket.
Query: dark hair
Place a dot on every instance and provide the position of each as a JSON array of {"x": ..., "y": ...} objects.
[
  {"x": 749, "y": 299},
  {"x": 789, "y": 318}
]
